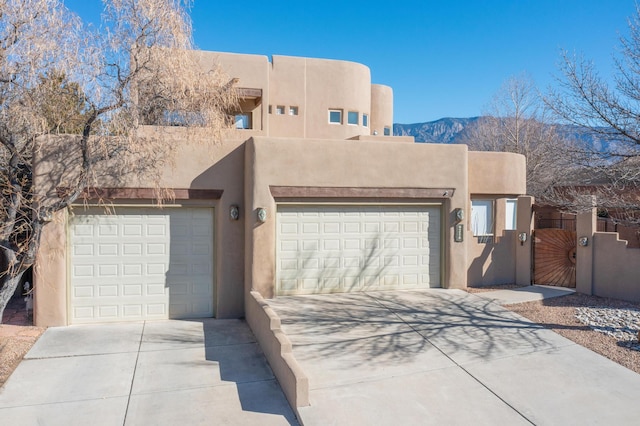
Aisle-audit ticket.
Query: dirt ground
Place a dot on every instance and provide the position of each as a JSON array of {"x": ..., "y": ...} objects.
[
  {"x": 557, "y": 314},
  {"x": 15, "y": 342}
]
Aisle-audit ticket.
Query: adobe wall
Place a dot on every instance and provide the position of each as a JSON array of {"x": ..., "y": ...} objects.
[
  {"x": 615, "y": 268},
  {"x": 492, "y": 260},
  {"x": 381, "y": 109},
  {"x": 494, "y": 176},
  {"x": 503, "y": 173},
  {"x": 253, "y": 73},
  {"x": 197, "y": 166},
  {"x": 312, "y": 85},
  {"x": 323, "y": 163},
  {"x": 329, "y": 84}
]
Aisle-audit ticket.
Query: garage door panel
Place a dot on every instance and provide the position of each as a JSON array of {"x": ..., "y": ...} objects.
[
  {"x": 356, "y": 248},
  {"x": 131, "y": 266}
]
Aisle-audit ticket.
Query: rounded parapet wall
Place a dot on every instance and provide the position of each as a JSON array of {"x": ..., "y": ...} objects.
[
  {"x": 381, "y": 110},
  {"x": 497, "y": 173}
]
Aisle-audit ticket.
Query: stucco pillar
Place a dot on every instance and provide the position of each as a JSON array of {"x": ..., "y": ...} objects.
[
  {"x": 586, "y": 226},
  {"x": 524, "y": 225},
  {"x": 50, "y": 275}
]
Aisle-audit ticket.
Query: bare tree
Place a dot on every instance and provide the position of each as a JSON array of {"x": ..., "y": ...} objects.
[
  {"x": 517, "y": 122},
  {"x": 609, "y": 113},
  {"x": 58, "y": 76}
]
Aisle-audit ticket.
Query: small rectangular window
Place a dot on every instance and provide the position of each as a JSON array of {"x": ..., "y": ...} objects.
[
  {"x": 243, "y": 121},
  {"x": 335, "y": 116},
  {"x": 280, "y": 110},
  {"x": 387, "y": 131},
  {"x": 352, "y": 118},
  {"x": 293, "y": 110},
  {"x": 365, "y": 120},
  {"x": 270, "y": 109},
  {"x": 511, "y": 215},
  {"x": 482, "y": 218}
]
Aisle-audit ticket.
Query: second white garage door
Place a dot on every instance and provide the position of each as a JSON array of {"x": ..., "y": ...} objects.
[
  {"x": 324, "y": 248},
  {"x": 141, "y": 263}
]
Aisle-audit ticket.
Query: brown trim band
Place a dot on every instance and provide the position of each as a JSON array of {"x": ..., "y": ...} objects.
[
  {"x": 249, "y": 93},
  {"x": 358, "y": 192},
  {"x": 144, "y": 193}
]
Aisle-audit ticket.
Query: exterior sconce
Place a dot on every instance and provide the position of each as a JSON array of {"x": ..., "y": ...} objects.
[
  {"x": 234, "y": 212},
  {"x": 262, "y": 214},
  {"x": 583, "y": 241},
  {"x": 375, "y": 133},
  {"x": 522, "y": 237},
  {"x": 458, "y": 212}
]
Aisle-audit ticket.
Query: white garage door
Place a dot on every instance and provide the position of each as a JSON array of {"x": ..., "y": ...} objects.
[
  {"x": 141, "y": 264},
  {"x": 324, "y": 249}
]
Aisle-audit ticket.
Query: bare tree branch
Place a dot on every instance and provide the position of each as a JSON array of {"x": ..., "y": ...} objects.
[{"x": 103, "y": 84}]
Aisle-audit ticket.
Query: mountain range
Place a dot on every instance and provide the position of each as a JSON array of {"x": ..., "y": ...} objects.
[
  {"x": 452, "y": 130},
  {"x": 445, "y": 130}
]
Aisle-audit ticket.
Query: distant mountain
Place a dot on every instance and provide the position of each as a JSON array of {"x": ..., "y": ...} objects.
[
  {"x": 452, "y": 130},
  {"x": 445, "y": 130}
]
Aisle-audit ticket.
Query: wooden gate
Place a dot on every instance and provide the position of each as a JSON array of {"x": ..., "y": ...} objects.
[{"x": 554, "y": 257}]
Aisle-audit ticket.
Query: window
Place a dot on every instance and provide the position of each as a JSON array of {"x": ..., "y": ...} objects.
[
  {"x": 365, "y": 120},
  {"x": 352, "y": 118},
  {"x": 482, "y": 217},
  {"x": 335, "y": 116},
  {"x": 387, "y": 131},
  {"x": 243, "y": 121},
  {"x": 280, "y": 110},
  {"x": 293, "y": 110},
  {"x": 511, "y": 215}
]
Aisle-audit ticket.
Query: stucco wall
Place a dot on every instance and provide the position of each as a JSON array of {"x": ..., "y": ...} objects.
[
  {"x": 381, "y": 109},
  {"x": 492, "y": 260},
  {"x": 253, "y": 73},
  {"x": 197, "y": 166},
  {"x": 335, "y": 85},
  {"x": 244, "y": 171},
  {"x": 615, "y": 268},
  {"x": 318, "y": 163},
  {"x": 497, "y": 173},
  {"x": 312, "y": 85},
  {"x": 494, "y": 176}
]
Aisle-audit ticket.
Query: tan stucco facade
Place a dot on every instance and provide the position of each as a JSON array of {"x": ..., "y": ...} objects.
[
  {"x": 352, "y": 172},
  {"x": 300, "y": 159},
  {"x": 288, "y": 96}
]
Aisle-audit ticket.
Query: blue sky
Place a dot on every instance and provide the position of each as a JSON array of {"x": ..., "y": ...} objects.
[{"x": 442, "y": 58}]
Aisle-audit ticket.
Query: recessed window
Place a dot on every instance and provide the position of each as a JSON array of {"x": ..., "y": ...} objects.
[
  {"x": 280, "y": 110},
  {"x": 387, "y": 131},
  {"x": 243, "y": 121},
  {"x": 293, "y": 110},
  {"x": 482, "y": 218},
  {"x": 352, "y": 118},
  {"x": 511, "y": 215},
  {"x": 335, "y": 116},
  {"x": 365, "y": 120}
]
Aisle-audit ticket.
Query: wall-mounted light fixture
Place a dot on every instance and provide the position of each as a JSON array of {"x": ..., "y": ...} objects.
[
  {"x": 262, "y": 214},
  {"x": 234, "y": 212},
  {"x": 458, "y": 212},
  {"x": 583, "y": 241},
  {"x": 375, "y": 133},
  {"x": 522, "y": 237}
]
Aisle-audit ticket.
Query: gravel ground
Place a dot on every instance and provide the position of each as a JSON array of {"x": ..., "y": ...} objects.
[{"x": 560, "y": 314}]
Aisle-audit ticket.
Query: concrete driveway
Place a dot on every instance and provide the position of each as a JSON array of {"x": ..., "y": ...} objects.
[
  {"x": 446, "y": 357},
  {"x": 146, "y": 373}
]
